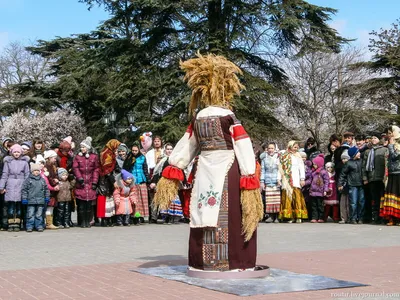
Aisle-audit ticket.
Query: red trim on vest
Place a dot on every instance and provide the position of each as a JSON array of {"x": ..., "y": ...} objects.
[{"x": 190, "y": 130}]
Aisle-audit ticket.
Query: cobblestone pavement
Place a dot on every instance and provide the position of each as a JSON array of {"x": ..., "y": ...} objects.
[{"x": 95, "y": 263}]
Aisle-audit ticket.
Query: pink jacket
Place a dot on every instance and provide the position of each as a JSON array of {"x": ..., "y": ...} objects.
[{"x": 124, "y": 197}]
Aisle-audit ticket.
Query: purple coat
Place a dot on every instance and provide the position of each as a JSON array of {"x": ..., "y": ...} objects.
[
  {"x": 88, "y": 170},
  {"x": 15, "y": 172},
  {"x": 319, "y": 183}
]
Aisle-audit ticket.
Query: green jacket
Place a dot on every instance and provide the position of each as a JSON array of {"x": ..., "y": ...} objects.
[{"x": 378, "y": 172}]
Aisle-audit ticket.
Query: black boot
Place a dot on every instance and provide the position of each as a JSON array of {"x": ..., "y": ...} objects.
[
  {"x": 136, "y": 221},
  {"x": 59, "y": 216},
  {"x": 89, "y": 213},
  {"x": 110, "y": 222},
  {"x": 67, "y": 215},
  {"x": 103, "y": 222},
  {"x": 82, "y": 214},
  {"x": 69, "y": 221}
]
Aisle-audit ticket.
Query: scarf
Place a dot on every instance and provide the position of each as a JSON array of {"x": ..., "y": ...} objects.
[
  {"x": 285, "y": 169},
  {"x": 371, "y": 160},
  {"x": 63, "y": 159}
]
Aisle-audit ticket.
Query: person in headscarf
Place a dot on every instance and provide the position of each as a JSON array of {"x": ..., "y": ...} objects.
[
  {"x": 105, "y": 201},
  {"x": 292, "y": 176}
]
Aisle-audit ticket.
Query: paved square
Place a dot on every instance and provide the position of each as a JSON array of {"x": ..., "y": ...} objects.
[{"x": 95, "y": 263}]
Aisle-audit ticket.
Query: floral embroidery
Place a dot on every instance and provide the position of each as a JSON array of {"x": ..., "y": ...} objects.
[{"x": 211, "y": 199}]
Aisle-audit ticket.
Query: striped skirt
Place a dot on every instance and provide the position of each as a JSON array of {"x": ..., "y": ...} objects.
[
  {"x": 390, "y": 202},
  {"x": 142, "y": 205},
  {"x": 174, "y": 209},
  {"x": 272, "y": 199}
]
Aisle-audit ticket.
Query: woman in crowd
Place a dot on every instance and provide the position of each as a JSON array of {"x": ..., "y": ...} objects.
[
  {"x": 137, "y": 165},
  {"x": 270, "y": 184},
  {"x": 105, "y": 202},
  {"x": 86, "y": 171},
  {"x": 292, "y": 176},
  {"x": 390, "y": 204}
]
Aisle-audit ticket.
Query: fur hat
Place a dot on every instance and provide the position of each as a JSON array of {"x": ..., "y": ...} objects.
[
  {"x": 126, "y": 175},
  {"x": 49, "y": 154},
  {"x": 35, "y": 167},
  {"x": 353, "y": 151},
  {"x": 16, "y": 148},
  {"x": 65, "y": 146},
  {"x": 319, "y": 161},
  {"x": 61, "y": 171},
  {"x": 39, "y": 158},
  {"x": 68, "y": 139},
  {"x": 87, "y": 143},
  {"x": 123, "y": 147},
  {"x": 345, "y": 155}
]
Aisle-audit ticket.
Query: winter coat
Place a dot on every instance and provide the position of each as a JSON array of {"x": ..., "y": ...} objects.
[
  {"x": 35, "y": 190},
  {"x": 138, "y": 167},
  {"x": 86, "y": 168},
  {"x": 65, "y": 192},
  {"x": 351, "y": 173},
  {"x": 331, "y": 197},
  {"x": 319, "y": 183},
  {"x": 312, "y": 153},
  {"x": 394, "y": 160},
  {"x": 269, "y": 170},
  {"x": 124, "y": 197},
  {"x": 3, "y": 154},
  {"x": 15, "y": 172},
  {"x": 378, "y": 172}
]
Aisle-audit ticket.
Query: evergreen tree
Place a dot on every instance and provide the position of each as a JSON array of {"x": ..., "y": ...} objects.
[{"x": 131, "y": 62}]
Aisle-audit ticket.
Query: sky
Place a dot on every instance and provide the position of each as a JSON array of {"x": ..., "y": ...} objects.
[{"x": 29, "y": 20}]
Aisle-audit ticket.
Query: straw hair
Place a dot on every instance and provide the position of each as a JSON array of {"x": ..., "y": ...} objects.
[
  {"x": 252, "y": 212},
  {"x": 167, "y": 190},
  {"x": 213, "y": 80}
]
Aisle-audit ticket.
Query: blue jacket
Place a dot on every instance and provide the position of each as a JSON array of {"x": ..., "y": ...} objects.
[{"x": 269, "y": 170}]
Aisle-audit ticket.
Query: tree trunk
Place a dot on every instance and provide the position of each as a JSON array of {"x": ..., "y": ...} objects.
[{"x": 216, "y": 27}]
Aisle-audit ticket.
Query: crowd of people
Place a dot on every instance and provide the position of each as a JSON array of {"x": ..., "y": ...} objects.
[
  {"x": 40, "y": 188},
  {"x": 357, "y": 181}
]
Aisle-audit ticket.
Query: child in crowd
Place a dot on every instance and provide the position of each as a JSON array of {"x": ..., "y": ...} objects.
[
  {"x": 331, "y": 201},
  {"x": 352, "y": 174},
  {"x": 318, "y": 189},
  {"x": 64, "y": 198},
  {"x": 15, "y": 171},
  {"x": 124, "y": 197},
  {"x": 344, "y": 194},
  {"x": 35, "y": 194}
]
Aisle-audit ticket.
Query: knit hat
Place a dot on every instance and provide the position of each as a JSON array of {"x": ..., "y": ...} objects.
[
  {"x": 16, "y": 148},
  {"x": 87, "y": 143},
  {"x": 6, "y": 139},
  {"x": 65, "y": 146},
  {"x": 345, "y": 155},
  {"x": 27, "y": 144},
  {"x": 126, "y": 175},
  {"x": 35, "y": 167},
  {"x": 329, "y": 164},
  {"x": 61, "y": 171},
  {"x": 123, "y": 147},
  {"x": 353, "y": 151},
  {"x": 319, "y": 161},
  {"x": 49, "y": 154},
  {"x": 68, "y": 139},
  {"x": 39, "y": 158}
]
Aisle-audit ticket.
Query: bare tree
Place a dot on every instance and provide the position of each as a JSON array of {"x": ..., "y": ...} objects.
[
  {"x": 316, "y": 103},
  {"x": 17, "y": 66}
]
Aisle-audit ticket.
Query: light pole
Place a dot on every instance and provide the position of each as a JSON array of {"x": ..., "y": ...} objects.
[{"x": 110, "y": 118}]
